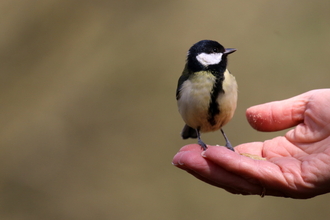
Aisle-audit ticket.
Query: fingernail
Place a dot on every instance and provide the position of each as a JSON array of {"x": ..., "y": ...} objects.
[
  {"x": 179, "y": 154},
  {"x": 174, "y": 159},
  {"x": 203, "y": 153}
]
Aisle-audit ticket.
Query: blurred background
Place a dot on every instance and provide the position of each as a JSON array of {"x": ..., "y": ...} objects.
[{"x": 89, "y": 122}]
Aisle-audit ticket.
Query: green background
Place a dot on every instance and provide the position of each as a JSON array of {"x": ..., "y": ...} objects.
[{"x": 89, "y": 122}]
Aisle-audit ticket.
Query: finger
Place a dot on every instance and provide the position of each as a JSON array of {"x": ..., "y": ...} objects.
[
  {"x": 253, "y": 148},
  {"x": 265, "y": 173},
  {"x": 195, "y": 164},
  {"x": 190, "y": 160},
  {"x": 247, "y": 189},
  {"x": 278, "y": 115},
  {"x": 191, "y": 148}
]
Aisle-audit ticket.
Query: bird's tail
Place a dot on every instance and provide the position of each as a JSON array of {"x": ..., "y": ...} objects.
[{"x": 188, "y": 132}]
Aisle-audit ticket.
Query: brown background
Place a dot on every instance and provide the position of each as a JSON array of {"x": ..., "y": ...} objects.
[{"x": 88, "y": 116}]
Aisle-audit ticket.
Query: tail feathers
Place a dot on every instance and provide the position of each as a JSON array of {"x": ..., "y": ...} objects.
[{"x": 188, "y": 132}]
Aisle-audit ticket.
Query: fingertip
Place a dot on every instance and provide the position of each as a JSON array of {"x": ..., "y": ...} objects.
[
  {"x": 203, "y": 153},
  {"x": 260, "y": 117},
  {"x": 278, "y": 115},
  {"x": 180, "y": 156},
  {"x": 176, "y": 161}
]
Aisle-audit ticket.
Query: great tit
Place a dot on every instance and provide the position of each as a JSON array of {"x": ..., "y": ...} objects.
[{"x": 207, "y": 92}]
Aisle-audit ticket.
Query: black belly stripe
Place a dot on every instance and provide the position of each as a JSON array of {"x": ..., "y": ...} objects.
[{"x": 214, "y": 108}]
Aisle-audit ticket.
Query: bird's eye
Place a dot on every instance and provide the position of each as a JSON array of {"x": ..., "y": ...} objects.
[{"x": 215, "y": 50}]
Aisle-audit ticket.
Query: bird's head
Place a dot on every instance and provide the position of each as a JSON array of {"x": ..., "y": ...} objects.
[{"x": 207, "y": 54}]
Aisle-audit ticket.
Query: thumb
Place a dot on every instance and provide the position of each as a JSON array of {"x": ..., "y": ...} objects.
[{"x": 278, "y": 115}]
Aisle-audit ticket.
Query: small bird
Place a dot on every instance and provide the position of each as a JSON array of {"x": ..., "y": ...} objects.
[{"x": 207, "y": 92}]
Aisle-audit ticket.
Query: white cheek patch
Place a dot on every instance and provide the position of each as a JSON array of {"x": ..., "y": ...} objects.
[{"x": 209, "y": 59}]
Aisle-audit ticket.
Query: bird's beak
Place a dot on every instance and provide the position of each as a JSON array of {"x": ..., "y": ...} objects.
[{"x": 229, "y": 51}]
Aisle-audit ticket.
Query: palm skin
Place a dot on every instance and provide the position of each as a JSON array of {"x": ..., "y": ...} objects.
[{"x": 297, "y": 165}]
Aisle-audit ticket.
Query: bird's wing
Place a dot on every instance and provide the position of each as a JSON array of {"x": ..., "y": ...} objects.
[{"x": 183, "y": 77}]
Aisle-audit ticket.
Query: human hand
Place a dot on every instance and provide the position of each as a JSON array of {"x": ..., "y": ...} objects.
[{"x": 297, "y": 165}]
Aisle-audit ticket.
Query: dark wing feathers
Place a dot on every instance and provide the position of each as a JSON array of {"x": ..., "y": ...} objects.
[{"x": 183, "y": 77}]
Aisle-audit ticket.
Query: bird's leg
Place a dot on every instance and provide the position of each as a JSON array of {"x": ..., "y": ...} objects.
[
  {"x": 200, "y": 142},
  {"x": 228, "y": 144}
]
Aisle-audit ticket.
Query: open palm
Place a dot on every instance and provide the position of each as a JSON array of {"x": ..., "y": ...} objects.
[{"x": 297, "y": 165}]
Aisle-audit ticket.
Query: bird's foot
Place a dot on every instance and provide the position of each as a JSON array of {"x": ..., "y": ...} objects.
[
  {"x": 202, "y": 144},
  {"x": 229, "y": 146}
]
